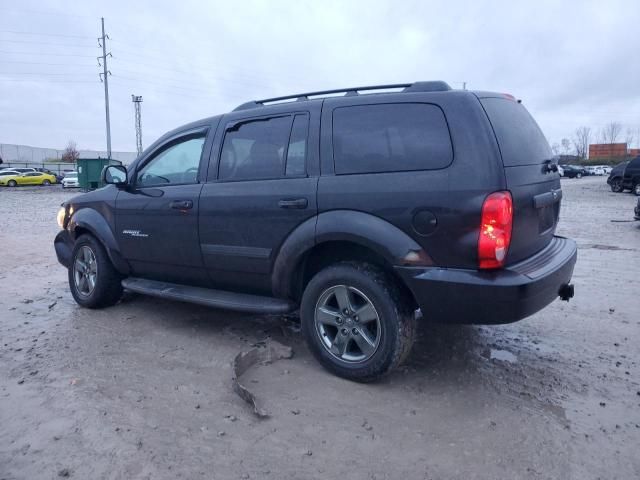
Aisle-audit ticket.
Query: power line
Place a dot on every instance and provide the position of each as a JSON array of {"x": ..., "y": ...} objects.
[
  {"x": 48, "y": 54},
  {"x": 47, "y": 13},
  {"x": 47, "y": 43},
  {"x": 50, "y": 64},
  {"x": 22, "y": 80},
  {"x": 53, "y": 74},
  {"x": 16, "y": 32}
]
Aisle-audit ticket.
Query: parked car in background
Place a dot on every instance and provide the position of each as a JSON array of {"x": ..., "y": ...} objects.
[
  {"x": 70, "y": 180},
  {"x": 595, "y": 170},
  {"x": 21, "y": 169},
  {"x": 574, "y": 171},
  {"x": 631, "y": 176},
  {"x": 28, "y": 178},
  {"x": 6, "y": 173},
  {"x": 607, "y": 169},
  {"x": 560, "y": 170},
  {"x": 616, "y": 177},
  {"x": 58, "y": 176},
  {"x": 341, "y": 206}
]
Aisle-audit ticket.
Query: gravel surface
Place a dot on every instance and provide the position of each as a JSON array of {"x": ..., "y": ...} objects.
[{"x": 143, "y": 390}]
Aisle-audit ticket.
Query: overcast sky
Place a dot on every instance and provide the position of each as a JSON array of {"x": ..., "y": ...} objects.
[{"x": 572, "y": 63}]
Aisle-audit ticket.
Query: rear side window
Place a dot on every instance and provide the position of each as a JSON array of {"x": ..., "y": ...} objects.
[
  {"x": 390, "y": 138},
  {"x": 520, "y": 139},
  {"x": 255, "y": 149}
]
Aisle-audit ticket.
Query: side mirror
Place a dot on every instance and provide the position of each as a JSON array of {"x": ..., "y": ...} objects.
[{"x": 115, "y": 175}]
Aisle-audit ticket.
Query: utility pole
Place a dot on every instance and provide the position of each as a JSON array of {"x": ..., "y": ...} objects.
[
  {"x": 137, "y": 100},
  {"x": 102, "y": 41},
  {"x": 464, "y": 85}
]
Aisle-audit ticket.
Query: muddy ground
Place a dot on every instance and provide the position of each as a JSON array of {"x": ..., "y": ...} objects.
[{"x": 142, "y": 390}]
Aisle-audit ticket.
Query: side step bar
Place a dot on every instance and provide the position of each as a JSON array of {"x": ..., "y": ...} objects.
[{"x": 211, "y": 298}]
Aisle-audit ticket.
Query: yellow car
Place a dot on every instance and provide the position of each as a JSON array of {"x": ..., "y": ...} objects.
[{"x": 29, "y": 178}]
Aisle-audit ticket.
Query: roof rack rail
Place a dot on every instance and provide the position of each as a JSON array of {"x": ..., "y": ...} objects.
[{"x": 432, "y": 86}]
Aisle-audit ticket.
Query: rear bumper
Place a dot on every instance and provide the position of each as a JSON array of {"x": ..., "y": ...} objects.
[
  {"x": 63, "y": 245},
  {"x": 490, "y": 297}
]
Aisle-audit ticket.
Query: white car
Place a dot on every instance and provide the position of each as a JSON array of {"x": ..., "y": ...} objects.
[{"x": 70, "y": 180}]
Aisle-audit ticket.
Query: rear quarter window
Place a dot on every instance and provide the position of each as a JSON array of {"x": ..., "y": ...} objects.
[
  {"x": 390, "y": 138},
  {"x": 519, "y": 137}
]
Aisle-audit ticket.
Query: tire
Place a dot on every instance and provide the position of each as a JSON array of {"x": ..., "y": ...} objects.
[
  {"x": 636, "y": 189},
  {"x": 46, "y": 183},
  {"x": 106, "y": 289},
  {"x": 616, "y": 186},
  {"x": 388, "y": 337},
  {"x": 12, "y": 183}
]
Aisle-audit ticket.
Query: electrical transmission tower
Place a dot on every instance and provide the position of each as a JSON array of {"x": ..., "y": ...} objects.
[
  {"x": 137, "y": 100},
  {"x": 102, "y": 42}
]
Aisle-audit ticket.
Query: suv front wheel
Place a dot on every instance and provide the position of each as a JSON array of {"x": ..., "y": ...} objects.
[
  {"x": 93, "y": 281},
  {"x": 357, "y": 321},
  {"x": 616, "y": 185}
]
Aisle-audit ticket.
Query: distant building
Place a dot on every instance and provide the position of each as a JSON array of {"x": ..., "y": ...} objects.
[
  {"x": 634, "y": 152},
  {"x": 605, "y": 151}
]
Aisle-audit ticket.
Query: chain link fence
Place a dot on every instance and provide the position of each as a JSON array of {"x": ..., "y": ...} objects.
[{"x": 26, "y": 156}]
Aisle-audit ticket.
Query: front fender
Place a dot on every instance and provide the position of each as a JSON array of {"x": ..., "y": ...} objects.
[
  {"x": 364, "y": 229},
  {"x": 87, "y": 219}
]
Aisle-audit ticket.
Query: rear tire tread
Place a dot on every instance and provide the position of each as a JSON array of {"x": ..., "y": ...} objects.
[{"x": 402, "y": 319}]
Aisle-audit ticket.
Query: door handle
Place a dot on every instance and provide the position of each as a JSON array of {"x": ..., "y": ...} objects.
[
  {"x": 181, "y": 204},
  {"x": 293, "y": 203}
]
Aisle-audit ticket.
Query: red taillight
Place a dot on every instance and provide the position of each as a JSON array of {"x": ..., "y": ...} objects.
[{"x": 495, "y": 230}]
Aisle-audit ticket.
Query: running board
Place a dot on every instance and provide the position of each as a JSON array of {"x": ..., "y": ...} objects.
[{"x": 240, "y": 302}]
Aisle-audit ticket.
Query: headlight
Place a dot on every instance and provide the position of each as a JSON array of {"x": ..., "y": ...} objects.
[{"x": 61, "y": 217}]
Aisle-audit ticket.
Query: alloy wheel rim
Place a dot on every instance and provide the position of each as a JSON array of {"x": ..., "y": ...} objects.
[
  {"x": 347, "y": 324},
  {"x": 85, "y": 271}
]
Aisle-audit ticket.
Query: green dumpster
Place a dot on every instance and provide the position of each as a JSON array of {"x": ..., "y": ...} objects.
[{"x": 90, "y": 172}]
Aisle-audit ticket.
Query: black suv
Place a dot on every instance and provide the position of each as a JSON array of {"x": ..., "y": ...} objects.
[
  {"x": 356, "y": 206},
  {"x": 573, "y": 171},
  {"x": 625, "y": 176}
]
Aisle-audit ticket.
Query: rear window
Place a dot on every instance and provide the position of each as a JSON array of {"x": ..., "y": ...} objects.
[
  {"x": 520, "y": 139},
  {"x": 390, "y": 138}
]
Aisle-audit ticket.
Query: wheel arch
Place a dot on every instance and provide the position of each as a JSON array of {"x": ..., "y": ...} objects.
[
  {"x": 87, "y": 220},
  {"x": 342, "y": 235}
]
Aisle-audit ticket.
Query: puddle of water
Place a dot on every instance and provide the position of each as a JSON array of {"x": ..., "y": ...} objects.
[{"x": 503, "y": 356}]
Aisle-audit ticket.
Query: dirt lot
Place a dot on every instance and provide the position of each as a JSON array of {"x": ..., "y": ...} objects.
[{"x": 143, "y": 390}]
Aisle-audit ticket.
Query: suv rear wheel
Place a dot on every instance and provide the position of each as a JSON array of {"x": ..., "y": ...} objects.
[
  {"x": 636, "y": 189},
  {"x": 93, "y": 281},
  {"x": 356, "y": 320}
]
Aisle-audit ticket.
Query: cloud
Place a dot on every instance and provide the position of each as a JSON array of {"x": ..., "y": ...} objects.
[{"x": 572, "y": 63}]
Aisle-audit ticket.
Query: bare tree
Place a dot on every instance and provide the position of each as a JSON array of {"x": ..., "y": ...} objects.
[
  {"x": 70, "y": 153},
  {"x": 611, "y": 132},
  {"x": 581, "y": 140},
  {"x": 555, "y": 148},
  {"x": 566, "y": 146},
  {"x": 629, "y": 137}
]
